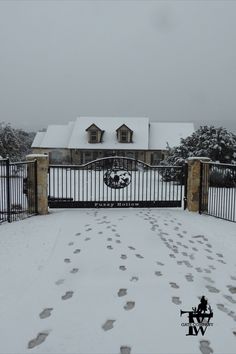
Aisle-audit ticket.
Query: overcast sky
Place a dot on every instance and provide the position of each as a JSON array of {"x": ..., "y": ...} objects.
[{"x": 168, "y": 60}]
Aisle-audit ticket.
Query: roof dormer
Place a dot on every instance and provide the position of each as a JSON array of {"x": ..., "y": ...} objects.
[
  {"x": 94, "y": 134},
  {"x": 124, "y": 134}
]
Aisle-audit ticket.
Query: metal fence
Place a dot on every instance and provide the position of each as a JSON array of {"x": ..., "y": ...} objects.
[
  {"x": 115, "y": 182},
  {"x": 18, "y": 190},
  {"x": 218, "y": 190}
]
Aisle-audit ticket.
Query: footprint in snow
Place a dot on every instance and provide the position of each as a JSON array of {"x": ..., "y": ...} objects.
[
  {"x": 108, "y": 325},
  {"x": 230, "y": 299},
  {"x": 59, "y": 281},
  {"x": 131, "y": 248},
  {"x": 109, "y": 239},
  {"x": 87, "y": 239},
  {"x": 209, "y": 280},
  {"x": 159, "y": 263},
  {"x": 122, "y": 292},
  {"x": 221, "y": 261},
  {"x": 189, "y": 277},
  {"x": 110, "y": 247},
  {"x": 76, "y": 251},
  {"x": 123, "y": 256},
  {"x": 212, "y": 267},
  {"x": 176, "y": 300},
  {"x": 126, "y": 350},
  {"x": 139, "y": 256},
  {"x": 67, "y": 260},
  {"x": 211, "y": 258},
  {"x": 118, "y": 241},
  {"x": 46, "y": 313},
  {"x": 41, "y": 337},
  {"x": 158, "y": 273},
  {"x": 209, "y": 245},
  {"x": 67, "y": 295},
  {"x": 122, "y": 267},
  {"x": 222, "y": 307},
  {"x": 134, "y": 279},
  {"x": 207, "y": 270},
  {"x": 212, "y": 289},
  {"x": 174, "y": 285},
  {"x": 70, "y": 243},
  {"x": 129, "y": 305},
  {"x": 232, "y": 289},
  {"x": 199, "y": 270},
  {"x": 205, "y": 347},
  {"x": 78, "y": 233},
  {"x": 74, "y": 270}
]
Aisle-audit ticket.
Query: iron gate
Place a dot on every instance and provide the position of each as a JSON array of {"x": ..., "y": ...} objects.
[
  {"x": 115, "y": 182},
  {"x": 18, "y": 190},
  {"x": 218, "y": 190}
]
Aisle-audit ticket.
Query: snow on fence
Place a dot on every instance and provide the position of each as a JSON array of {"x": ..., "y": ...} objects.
[{"x": 17, "y": 189}]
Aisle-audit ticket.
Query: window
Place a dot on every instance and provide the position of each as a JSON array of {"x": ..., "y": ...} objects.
[
  {"x": 124, "y": 136},
  {"x": 93, "y": 136}
]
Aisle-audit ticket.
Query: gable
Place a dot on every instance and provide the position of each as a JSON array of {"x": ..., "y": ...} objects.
[
  {"x": 124, "y": 127},
  {"x": 93, "y": 127}
]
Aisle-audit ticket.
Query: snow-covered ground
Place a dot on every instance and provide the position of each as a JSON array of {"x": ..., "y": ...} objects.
[{"x": 114, "y": 281}]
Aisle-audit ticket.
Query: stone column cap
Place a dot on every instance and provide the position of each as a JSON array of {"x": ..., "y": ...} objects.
[
  {"x": 198, "y": 158},
  {"x": 35, "y": 156}
]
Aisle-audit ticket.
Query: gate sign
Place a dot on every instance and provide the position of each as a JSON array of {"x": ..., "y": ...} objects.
[{"x": 117, "y": 178}]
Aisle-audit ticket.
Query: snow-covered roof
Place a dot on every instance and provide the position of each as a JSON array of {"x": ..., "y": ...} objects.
[
  {"x": 38, "y": 139},
  {"x": 79, "y": 138},
  {"x": 169, "y": 134},
  {"x": 146, "y": 136},
  {"x": 56, "y": 136}
]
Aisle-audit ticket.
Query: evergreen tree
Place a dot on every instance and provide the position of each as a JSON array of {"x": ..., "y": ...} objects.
[
  {"x": 14, "y": 143},
  {"x": 216, "y": 143}
]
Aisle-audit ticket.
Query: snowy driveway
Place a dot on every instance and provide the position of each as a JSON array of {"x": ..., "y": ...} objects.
[{"x": 114, "y": 281}]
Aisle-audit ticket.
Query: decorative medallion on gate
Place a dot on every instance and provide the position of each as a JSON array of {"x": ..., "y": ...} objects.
[{"x": 117, "y": 178}]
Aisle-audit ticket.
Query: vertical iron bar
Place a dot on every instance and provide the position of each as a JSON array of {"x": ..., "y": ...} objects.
[{"x": 8, "y": 190}]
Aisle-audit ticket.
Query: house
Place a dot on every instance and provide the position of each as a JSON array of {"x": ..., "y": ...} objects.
[{"x": 90, "y": 138}]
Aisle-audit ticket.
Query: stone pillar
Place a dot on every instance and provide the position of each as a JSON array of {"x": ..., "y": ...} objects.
[
  {"x": 42, "y": 178},
  {"x": 193, "y": 183}
]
